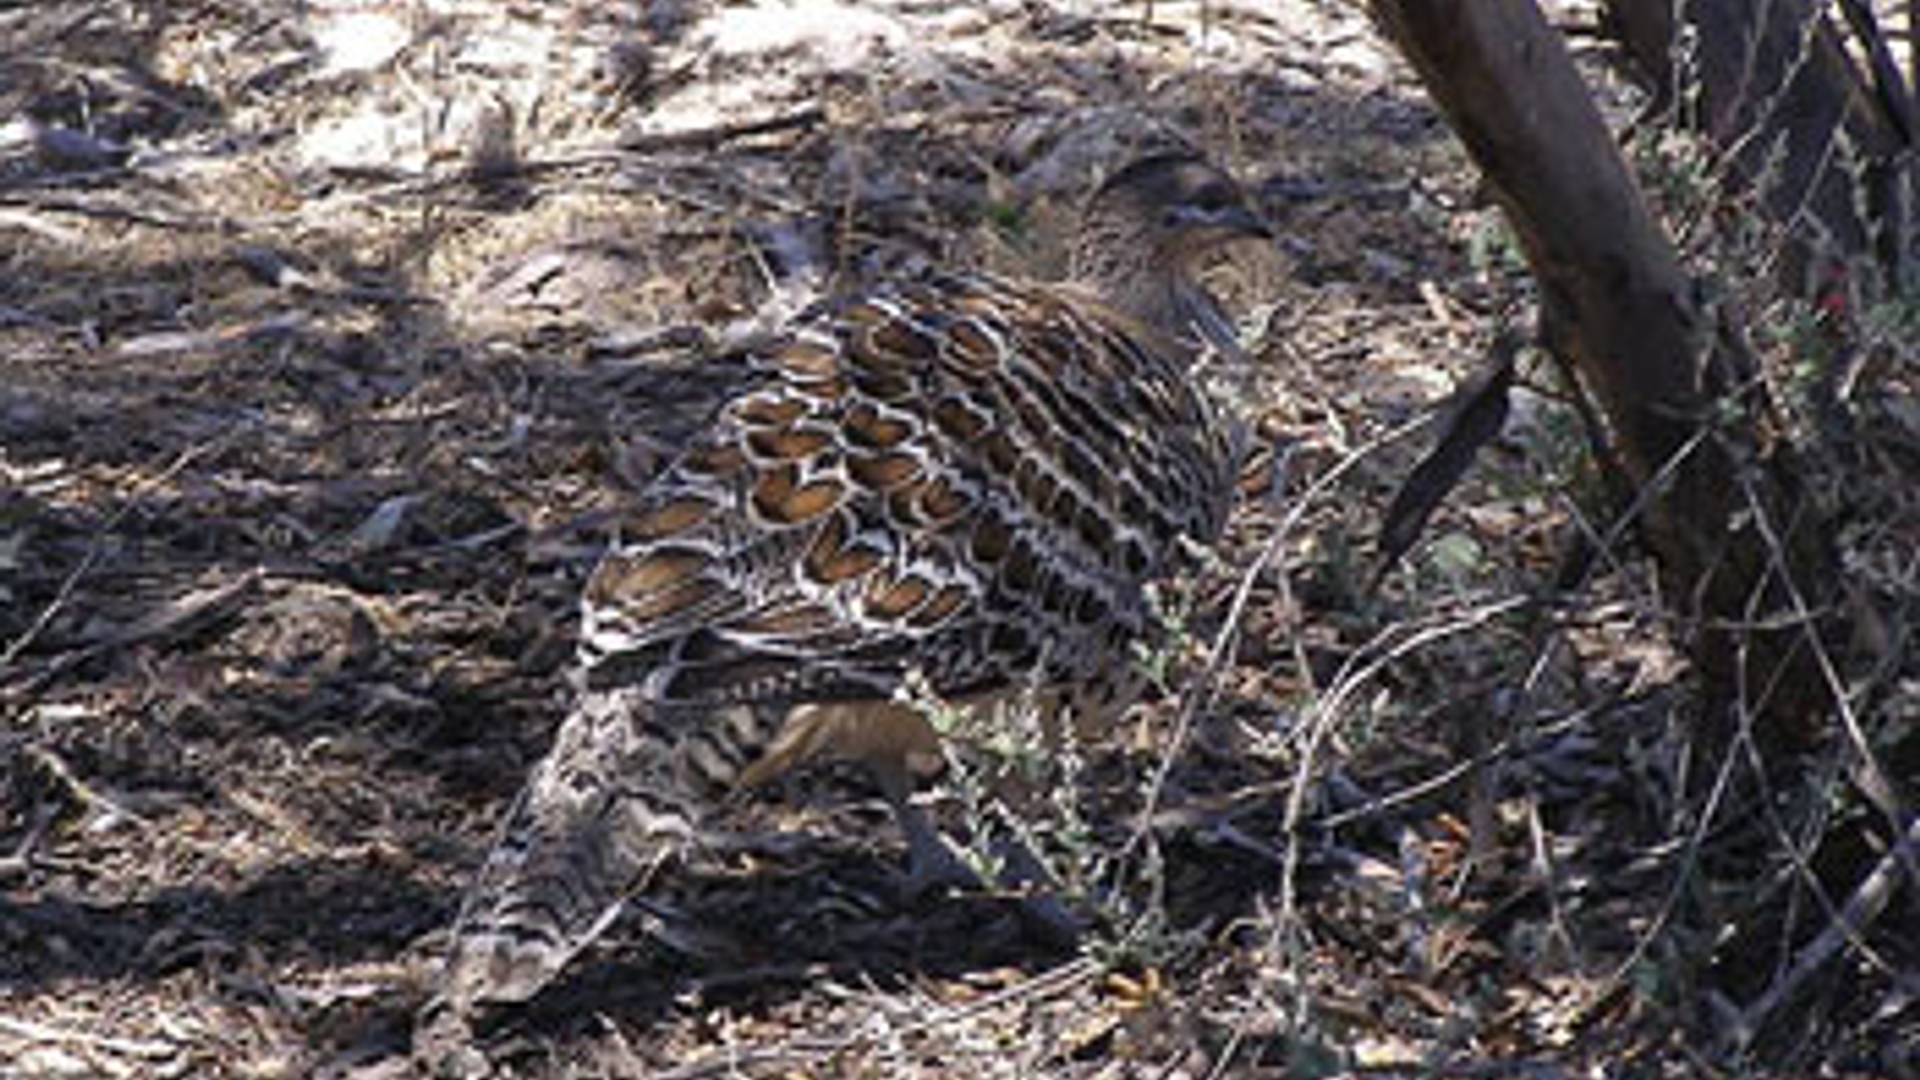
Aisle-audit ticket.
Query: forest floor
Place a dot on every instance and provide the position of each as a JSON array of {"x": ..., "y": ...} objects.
[{"x": 330, "y": 333}]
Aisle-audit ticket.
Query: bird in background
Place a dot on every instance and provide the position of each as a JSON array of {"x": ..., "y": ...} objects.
[{"x": 957, "y": 484}]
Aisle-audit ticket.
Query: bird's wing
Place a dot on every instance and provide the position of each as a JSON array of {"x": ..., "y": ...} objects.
[{"x": 961, "y": 475}]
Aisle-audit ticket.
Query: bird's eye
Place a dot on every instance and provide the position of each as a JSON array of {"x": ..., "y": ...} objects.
[
  {"x": 1213, "y": 197},
  {"x": 1202, "y": 208}
]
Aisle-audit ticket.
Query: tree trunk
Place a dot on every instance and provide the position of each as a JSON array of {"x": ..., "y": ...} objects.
[{"x": 1618, "y": 307}]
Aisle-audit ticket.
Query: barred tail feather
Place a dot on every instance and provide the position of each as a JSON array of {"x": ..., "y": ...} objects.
[{"x": 599, "y": 813}]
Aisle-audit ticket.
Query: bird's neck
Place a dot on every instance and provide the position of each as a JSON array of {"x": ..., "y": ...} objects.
[{"x": 1178, "y": 307}]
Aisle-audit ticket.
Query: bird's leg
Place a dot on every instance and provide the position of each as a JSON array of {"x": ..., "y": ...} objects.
[
  {"x": 895, "y": 743},
  {"x": 931, "y": 863},
  {"x": 1022, "y": 872}
]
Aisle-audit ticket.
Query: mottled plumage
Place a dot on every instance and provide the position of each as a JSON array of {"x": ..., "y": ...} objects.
[{"x": 960, "y": 481}]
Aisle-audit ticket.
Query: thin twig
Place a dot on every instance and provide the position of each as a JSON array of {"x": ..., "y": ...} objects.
[
  {"x": 110, "y": 212},
  {"x": 102, "y": 535},
  {"x": 1358, "y": 670},
  {"x": 86, "y": 793},
  {"x": 1866, "y": 904},
  {"x": 709, "y": 138},
  {"x": 46, "y": 1033},
  {"x": 39, "y": 625},
  {"x": 1892, "y": 90},
  {"x": 1221, "y": 649}
]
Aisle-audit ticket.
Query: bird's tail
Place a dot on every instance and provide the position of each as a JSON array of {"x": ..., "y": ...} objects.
[{"x": 603, "y": 809}]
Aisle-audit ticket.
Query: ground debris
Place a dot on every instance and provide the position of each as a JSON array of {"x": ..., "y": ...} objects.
[{"x": 334, "y": 337}]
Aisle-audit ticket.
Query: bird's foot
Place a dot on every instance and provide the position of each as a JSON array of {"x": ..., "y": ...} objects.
[
  {"x": 1022, "y": 872},
  {"x": 932, "y": 865}
]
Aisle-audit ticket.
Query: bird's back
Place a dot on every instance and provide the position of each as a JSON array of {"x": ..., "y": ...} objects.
[{"x": 963, "y": 477}]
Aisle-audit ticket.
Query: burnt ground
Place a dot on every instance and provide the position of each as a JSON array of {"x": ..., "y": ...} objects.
[{"x": 332, "y": 332}]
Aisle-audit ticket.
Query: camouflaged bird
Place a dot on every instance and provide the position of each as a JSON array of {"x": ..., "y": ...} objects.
[{"x": 959, "y": 483}]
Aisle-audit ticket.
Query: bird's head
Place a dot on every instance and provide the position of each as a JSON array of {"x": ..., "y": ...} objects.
[{"x": 1149, "y": 226}]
